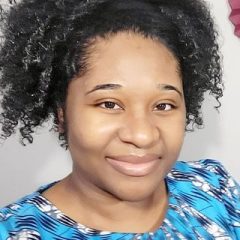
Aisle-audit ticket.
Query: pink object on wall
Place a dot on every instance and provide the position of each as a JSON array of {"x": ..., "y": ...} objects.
[{"x": 235, "y": 15}]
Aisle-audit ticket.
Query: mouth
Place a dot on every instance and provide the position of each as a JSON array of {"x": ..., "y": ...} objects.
[{"x": 134, "y": 166}]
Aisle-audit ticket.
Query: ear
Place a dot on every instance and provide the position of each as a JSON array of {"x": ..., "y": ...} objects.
[{"x": 61, "y": 121}]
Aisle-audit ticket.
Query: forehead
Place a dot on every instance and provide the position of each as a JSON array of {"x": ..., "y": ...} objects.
[{"x": 128, "y": 55}]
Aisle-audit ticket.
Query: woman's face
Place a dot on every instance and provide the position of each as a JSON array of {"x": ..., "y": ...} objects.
[{"x": 126, "y": 117}]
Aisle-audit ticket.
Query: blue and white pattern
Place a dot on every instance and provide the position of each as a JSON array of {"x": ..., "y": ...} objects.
[{"x": 204, "y": 203}]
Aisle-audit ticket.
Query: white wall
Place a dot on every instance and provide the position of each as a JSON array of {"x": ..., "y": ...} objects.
[{"x": 23, "y": 169}]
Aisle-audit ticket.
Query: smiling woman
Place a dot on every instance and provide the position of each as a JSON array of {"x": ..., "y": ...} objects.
[
  {"x": 122, "y": 132},
  {"x": 123, "y": 81}
]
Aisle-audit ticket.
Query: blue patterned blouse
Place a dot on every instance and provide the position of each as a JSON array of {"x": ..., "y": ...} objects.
[{"x": 204, "y": 203}]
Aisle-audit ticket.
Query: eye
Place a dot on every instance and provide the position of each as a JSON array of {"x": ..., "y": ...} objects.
[
  {"x": 164, "y": 107},
  {"x": 109, "y": 105}
]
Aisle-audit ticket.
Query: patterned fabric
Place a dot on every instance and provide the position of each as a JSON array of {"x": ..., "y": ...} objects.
[{"x": 204, "y": 203}]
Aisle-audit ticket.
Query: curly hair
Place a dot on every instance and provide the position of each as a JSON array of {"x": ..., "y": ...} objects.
[{"x": 45, "y": 45}]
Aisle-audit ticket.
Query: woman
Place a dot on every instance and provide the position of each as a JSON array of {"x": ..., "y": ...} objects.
[{"x": 122, "y": 80}]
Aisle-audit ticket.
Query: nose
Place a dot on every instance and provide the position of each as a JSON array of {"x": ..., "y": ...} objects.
[{"x": 139, "y": 131}]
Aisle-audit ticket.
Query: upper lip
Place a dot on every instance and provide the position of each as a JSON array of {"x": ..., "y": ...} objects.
[{"x": 135, "y": 158}]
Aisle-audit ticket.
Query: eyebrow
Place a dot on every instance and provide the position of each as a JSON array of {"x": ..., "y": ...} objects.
[
  {"x": 170, "y": 87},
  {"x": 112, "y": 86},
  {"x": 108, "y": 86}
]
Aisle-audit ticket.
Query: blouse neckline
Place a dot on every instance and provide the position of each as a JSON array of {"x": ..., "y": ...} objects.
[{"x": 62, "y": 217}]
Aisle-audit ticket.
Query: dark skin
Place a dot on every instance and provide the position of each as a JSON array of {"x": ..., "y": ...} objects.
[{"x": 109, "y": 120}]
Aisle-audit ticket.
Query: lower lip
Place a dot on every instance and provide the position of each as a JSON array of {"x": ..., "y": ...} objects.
[{"x": 133, "y": 169}]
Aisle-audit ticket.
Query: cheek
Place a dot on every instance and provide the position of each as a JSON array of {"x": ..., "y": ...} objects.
[
  {"x": 91, "y": 132},
  {"x": 173, "y": 131}
]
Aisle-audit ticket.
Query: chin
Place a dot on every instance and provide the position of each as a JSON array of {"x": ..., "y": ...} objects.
[{"x": 136, "y": 193}]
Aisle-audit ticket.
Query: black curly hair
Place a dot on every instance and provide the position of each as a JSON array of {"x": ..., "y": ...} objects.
[{"x": 45, "y": 45}]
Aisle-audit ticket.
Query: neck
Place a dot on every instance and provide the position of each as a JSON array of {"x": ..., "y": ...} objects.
[
  {"x": 104, "y": 211},
  {"x": 118, "y": 214}
]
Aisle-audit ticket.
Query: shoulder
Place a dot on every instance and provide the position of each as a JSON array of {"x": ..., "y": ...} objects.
[
  {"x": 25, "y": 205},
  {"x": 18, "y": 215},
  {"x": 208, "y": 189},
  {"x": 205, "y": 165},
  {"x": 206, "y": 175},
  {"x": 21, "y": 218},
  {"x": 209, "y": 170}
]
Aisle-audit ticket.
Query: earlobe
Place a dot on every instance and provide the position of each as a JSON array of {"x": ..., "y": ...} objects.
[{"x": 60, "y": 114}]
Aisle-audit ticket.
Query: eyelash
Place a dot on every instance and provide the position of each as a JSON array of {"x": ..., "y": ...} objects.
[
  {"x": 165, "y": 105},
  {"x": 109, "y": 102},
  {"x": 113, "y": 104}
]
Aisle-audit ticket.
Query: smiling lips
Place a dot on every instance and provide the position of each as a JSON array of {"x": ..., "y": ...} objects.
[{"x": 134, "y": 166}]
